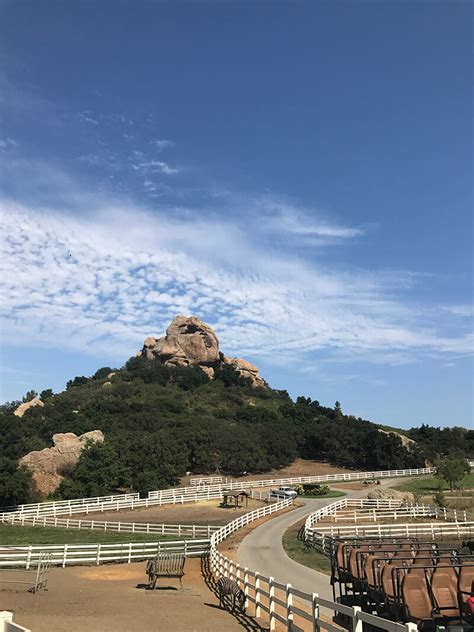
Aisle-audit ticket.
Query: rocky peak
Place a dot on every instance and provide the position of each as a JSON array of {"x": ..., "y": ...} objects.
[{"x": 190, "y": 341}]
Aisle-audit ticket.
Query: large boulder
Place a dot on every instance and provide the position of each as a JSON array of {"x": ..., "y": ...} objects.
[
  {"x": 49, "y": 466},
  {"x": 189, "y": 341},
  {"x": 22, "y": 408}
]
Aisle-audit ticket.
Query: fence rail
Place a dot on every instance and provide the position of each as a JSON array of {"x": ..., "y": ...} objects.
[
  {"x": 206, "y": 480},
  {"x": 194, "y": 493},
  {"x": 192, "y": 530},
  {"x": 452, "y": 523},
  {"x": 68, "y": 554},
  {"x": 50, "y": 509}
]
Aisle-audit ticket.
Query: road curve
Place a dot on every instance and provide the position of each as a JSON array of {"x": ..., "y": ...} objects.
[{"x": 262, "y": 550}]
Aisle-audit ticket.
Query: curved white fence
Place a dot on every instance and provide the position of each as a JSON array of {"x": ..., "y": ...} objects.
[
  {"x": 64, "y": 508},
  {"x": 282, "y": 603},
  {"x": 455, "y": 523},
  {"x": 181, "y": 495},
  {"x": 194, "y": 493}
]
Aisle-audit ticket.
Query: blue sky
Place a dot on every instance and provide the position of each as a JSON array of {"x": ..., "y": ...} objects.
[{"x": 296, "y": 174}]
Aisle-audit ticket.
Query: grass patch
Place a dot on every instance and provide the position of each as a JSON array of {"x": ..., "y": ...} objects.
[
  {"x": 430, "y": 484},
  {"x": 12, "y": 534},
  {"x": 332, "y": 494},
  {"x": 299, "y": 552}
]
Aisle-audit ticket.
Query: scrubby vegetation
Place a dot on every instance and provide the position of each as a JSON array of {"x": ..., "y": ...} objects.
[{"x": 161, "y": 422}]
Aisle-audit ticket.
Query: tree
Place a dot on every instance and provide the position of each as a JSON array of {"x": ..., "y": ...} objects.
[
  {"x": 98, "y": 472},
  {"x": 46, "y": 394},
  {"x": 338, "y": 409},
  {"x": 452, "y": 470},
  {"x": 16, "y": 486},
  {"x": 30, "y": 395},
  {"x": 77, "y": 381},
  {"x": 102, "y": 373}
]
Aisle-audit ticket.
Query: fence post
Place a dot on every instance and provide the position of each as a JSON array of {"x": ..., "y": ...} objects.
[
  {"x": 357, "y": 624},
  {"x": 315, "y": 611},
  {"x": 98, "y": 555},
  {"x": 64, "y": 555},
  {"x": 28, "y": 559},
  {"x": 271, "y": 591},
  {"x": 257, "y": 595},
  {"x": 289, "y": 607},
  {"x": 246, "y": 587}
]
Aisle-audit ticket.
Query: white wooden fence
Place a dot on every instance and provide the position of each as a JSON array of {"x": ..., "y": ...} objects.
[
  {"x": 73, "y": 554},
  {"x": 283, "y": 603},
  {"x": 193, "y": 494},
  {"x": 192, "y": 530},
  {"x": 206, "y": 480},
  {"x": 7, "y": 624},
  {"x": 455, "y": 524},
  {"x": 55, "y": 509}
]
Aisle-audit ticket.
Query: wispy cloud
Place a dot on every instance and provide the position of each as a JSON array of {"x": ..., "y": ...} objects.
[
  {"x": 8, "y": 143},
  {"x": 154, "y": 166},
  {"x": 161, "y": 143},
  {"x": 106, "y": 279},
  {"x": 86, "y": 117}
]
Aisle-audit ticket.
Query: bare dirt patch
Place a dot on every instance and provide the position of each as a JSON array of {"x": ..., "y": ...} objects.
[
  {"x": 300, "y": 467},
  {"x": 202, "y": 512},
  {"x": 107, "y": 599}
]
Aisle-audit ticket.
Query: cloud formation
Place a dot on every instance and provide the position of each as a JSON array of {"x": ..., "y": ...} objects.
[{"x": 103, "y": 281}]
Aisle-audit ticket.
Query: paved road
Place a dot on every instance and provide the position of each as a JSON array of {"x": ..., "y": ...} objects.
[{"x": 262, "y": 550}]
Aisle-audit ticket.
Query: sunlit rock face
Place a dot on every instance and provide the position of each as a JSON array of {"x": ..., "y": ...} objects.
[
  {"x": 49, "y": 466},
  {"x": 189, "y": 341}
]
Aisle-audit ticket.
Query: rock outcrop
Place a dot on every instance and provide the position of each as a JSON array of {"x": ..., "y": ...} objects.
[
  {"x": 22, "y": 408},
  {"x": 49, "y": 466},
  {"x": 189, "y": 341},
  {"x": 246, "y": 369}
]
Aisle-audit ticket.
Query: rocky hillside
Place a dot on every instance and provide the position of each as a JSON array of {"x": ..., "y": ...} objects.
[{"x": 180, "y": 405}]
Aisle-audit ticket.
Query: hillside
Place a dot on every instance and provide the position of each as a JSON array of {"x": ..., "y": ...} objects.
[{"x": 163, "y": 415}]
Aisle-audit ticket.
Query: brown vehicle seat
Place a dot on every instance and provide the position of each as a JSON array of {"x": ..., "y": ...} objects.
[
  {"x": 444, "y": 591},
  {"x": 416, "y": 597},
  {"x": 465, "y": 582}
]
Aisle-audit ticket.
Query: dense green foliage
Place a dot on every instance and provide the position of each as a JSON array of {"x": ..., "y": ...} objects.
[{"x": 160, "y": 422}]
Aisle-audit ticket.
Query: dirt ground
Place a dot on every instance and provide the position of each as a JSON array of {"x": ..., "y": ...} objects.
[
  {"x": 300, "y": 467},
  {"x": 202, "y": 512},
  {"x": 112, "y": 598}
]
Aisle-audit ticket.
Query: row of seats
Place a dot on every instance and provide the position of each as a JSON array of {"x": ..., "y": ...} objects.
[{"x": 406, "y": 580}]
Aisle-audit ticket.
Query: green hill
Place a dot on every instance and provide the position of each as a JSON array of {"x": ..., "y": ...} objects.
[{"x": 161, "y": 422}]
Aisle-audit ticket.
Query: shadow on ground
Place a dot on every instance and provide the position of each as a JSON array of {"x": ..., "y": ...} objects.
[{"x": 247, "y": 622}]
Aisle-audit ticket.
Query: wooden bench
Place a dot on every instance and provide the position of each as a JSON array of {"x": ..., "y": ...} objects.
[{"x": 165, "y": 565}]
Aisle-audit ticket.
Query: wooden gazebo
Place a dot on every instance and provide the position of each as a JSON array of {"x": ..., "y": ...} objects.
[{"x": 233, "y": 497}]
